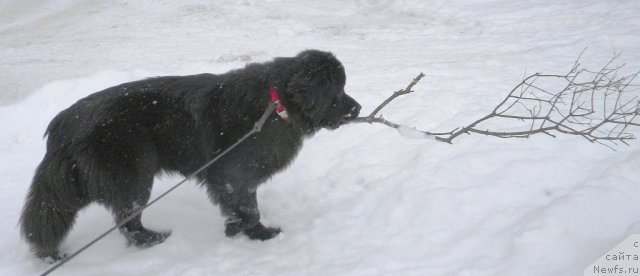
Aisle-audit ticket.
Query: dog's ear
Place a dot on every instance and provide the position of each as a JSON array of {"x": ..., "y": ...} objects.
[
  {"x": 304, "y": 94},
  {"x": 314, "y": 75}
]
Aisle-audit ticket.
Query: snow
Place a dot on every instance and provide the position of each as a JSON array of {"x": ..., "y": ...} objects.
[
  {"x": 363, "y": 199},
  {"x": 412, "y": 132}
]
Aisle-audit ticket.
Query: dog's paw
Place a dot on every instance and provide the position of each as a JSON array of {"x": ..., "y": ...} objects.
[
  {"x": 244, "y": 218},
  {"x": 260, "y": 232},
  {"x": 146, "y": 238},
  {"x": 232, "y": 228},
  {"x": 52, "y": 258}
]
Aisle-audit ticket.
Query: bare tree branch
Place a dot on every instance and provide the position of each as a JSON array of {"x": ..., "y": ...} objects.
[
  {"x": 396, "y": 94},
  {"x": 371, "y": 118},
  {"x": 595, "y": 105}
]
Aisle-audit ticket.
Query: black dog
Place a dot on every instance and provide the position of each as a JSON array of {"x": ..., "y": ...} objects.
[{"x": 107, "y": 147}]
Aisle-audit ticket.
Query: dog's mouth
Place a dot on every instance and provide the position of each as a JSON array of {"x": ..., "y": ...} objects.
[
  {"x": 352, "y": 114},
  {"x": 345, "y": 119},
  {"x": 335, "y": 125},
  {"x": 331, "y": 125}
]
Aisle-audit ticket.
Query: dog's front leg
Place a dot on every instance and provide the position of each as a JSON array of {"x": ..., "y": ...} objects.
[
  {"x": 241, "y": 209},
  {"x": 259, "y": 231}
]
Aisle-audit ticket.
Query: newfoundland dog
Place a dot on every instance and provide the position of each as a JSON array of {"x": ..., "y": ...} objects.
[{"x": 107, "y": 147}]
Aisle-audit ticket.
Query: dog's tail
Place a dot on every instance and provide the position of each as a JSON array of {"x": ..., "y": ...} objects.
[{"x": 52, "y": 203}]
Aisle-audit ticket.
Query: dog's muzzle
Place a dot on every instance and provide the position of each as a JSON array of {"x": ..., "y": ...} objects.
[{"x": 354, "y": 111}]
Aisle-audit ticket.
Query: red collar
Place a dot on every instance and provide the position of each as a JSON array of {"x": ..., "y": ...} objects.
[{"x": 280, "y": 110}]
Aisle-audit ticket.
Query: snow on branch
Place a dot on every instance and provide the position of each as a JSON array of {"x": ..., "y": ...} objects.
[{"x": 599, "y": 106}]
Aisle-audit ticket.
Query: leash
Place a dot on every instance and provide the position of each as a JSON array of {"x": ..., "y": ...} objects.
[{"x": 256, "y": 128}]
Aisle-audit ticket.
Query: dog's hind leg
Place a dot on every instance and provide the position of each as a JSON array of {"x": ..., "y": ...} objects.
[
  {"x": 128, "y": 201},
  {"x": 124, "y": 186}
]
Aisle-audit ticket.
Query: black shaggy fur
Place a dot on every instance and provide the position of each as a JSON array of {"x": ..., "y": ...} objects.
[{"x": 107, "y": 147}]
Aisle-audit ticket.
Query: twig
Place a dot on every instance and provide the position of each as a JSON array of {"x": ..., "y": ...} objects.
[{"x": 396, "y": 94}]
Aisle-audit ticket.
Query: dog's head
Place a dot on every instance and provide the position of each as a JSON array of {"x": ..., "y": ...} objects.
[{"x": 315, "y": 94}]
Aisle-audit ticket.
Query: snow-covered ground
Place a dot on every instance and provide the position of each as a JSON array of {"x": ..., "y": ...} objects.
[{"x": 361, "y": 200}]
